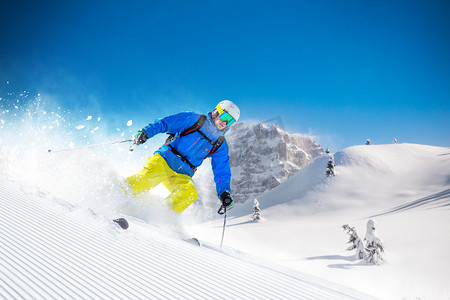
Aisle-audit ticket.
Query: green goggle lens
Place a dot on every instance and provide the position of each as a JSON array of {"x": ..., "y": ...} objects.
[{"x": 227, "y": 118}]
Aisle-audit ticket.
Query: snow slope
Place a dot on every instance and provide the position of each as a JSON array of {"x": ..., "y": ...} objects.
[
  {"x": 57, "y": 241},
  {"x": 405, "y": 188},
  {"x": 52, "y": 250}
]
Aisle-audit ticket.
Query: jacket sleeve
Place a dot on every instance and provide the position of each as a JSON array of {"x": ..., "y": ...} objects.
[
  {"x": 220, "y": 162},
  {"x": 173, "y": 124}
]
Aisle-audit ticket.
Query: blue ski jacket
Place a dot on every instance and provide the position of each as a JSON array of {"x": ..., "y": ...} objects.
[{"x": 193, "y": 146}]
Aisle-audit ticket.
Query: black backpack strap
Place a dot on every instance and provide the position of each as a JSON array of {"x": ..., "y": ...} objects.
[
  {"x": 175, "y": 151},
  {"x": 195, "y": 127},
  {"x": 187, "y": 131},
  {"x": 216, "y": 145}
]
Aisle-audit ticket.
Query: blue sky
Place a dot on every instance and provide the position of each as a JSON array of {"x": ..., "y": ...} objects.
[{"x": 343, "y": 71}]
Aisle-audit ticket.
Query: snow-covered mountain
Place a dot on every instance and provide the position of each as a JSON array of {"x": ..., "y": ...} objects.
[
  {"x": 405, "y": 188},
  {"x": 263, "y": 156},
  {"x": 66, "y": 247},
  {"x": 57, "y": 239}
]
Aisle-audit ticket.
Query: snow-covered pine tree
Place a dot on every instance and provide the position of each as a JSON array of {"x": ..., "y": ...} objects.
[
  {"x": 368, "y": 142},
  {"x": 256, "y": 211},
  {"x": 330, "y": 167},
  {"x": 355, "y": 242},
  {"x": 374, "y": 244}
]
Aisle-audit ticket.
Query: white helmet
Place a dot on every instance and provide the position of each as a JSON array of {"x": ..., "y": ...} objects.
[{"x": 230, "y": 108}]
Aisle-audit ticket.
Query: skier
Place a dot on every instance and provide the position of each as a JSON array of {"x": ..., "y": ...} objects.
[{"x": 193, "y": 138}]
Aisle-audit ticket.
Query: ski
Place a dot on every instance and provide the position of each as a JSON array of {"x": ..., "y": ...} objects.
[
  {"x": 193, "y": 241},
  {"x": 122, "y": 222}
]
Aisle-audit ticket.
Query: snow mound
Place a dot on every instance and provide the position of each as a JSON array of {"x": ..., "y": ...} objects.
[{"x": 379, "y": 177}]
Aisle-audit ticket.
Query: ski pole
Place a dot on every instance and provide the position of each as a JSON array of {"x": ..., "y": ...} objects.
[
  {"x": 224, "y": 223},
  {"x": 89, "y": 146}
]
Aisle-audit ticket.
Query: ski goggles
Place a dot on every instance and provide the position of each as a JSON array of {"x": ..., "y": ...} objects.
[{"x": 225, "y": 116}]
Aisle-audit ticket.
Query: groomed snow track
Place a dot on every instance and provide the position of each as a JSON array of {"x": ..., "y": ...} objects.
[{"x": 53, "y": 251}]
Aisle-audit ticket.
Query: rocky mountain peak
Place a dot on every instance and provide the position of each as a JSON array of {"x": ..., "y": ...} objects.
[{"x": 262, "y": 156}]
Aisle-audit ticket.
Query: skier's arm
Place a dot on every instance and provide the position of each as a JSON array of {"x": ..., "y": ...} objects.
[
  {"x": 173, "y": 124},
  {"x": 220, "y": 162}
]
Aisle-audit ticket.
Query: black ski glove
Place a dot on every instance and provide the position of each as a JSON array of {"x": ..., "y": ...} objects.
[
  {"x": 226, "y": 200},
  {"x": 140, "y": 137}
]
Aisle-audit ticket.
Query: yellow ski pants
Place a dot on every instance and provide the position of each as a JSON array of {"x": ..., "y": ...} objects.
[{"x": 156, "y": 170}]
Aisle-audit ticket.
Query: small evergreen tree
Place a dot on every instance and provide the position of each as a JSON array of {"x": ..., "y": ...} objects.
[
  {"x": 368, "y": 142},
  {"x": 374, "y": 244},
  {"x": 330, "y": 168},
  {"x": 256, "y": 211},
  {"x": 355, "y": 242}
]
